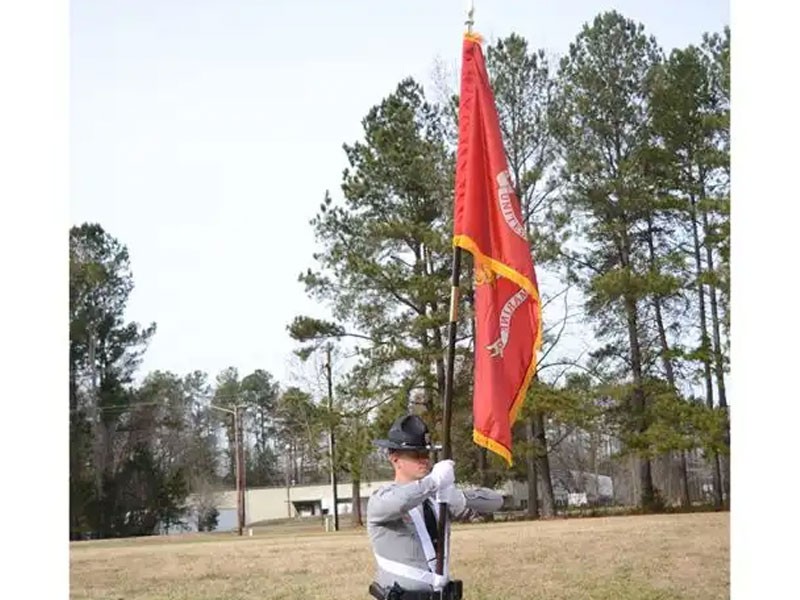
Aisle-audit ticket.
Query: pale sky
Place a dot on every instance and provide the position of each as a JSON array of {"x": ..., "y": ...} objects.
[{"x": 205, "y": 133}]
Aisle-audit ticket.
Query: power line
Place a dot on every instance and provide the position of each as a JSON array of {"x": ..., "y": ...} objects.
[{"x": 164, "y": 402}]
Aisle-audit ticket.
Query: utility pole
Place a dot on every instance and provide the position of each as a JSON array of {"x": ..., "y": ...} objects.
[
  {"x": 94, "y": 415},
  {"x": 237, "y": 470},
  {"x": 238, "y": 454},
  {"x": 288, "y": 488},
  {"x": 332, "y": 441},
  {"x": 240, "y": 469}
]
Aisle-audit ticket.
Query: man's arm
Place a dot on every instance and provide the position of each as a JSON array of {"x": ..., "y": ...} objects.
[
  {"x": 391, "y": 501},
  {"x": 468, "y": 503}
]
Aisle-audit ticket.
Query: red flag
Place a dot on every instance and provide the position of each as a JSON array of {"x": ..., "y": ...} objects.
[{"x": 488, "y": 224}]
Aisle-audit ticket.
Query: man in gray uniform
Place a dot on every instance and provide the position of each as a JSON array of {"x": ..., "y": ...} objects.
[{"x": 402, "y": 517}]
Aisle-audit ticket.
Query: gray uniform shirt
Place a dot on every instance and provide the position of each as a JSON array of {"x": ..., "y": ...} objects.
[{"x": 392, "y": 532}]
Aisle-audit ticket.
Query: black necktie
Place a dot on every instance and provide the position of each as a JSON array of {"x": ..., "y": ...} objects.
[{"x": 430, "y": 521}]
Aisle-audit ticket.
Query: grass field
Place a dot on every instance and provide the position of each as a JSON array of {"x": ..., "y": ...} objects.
[{"x": 662, "y": 557}]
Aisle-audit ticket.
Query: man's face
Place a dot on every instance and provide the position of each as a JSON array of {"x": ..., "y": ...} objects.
[{"x": 410, "y": 465}]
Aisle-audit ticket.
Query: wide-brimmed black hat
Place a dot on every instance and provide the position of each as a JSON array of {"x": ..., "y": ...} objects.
[{"x": 408, "y": 432}]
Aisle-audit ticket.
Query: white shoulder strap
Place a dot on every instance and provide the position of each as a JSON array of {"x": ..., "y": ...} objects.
[
  {"x": 429, "y": 577},
  {"x": 427, "y": 544},
  {"x": 418, "y": 518}
]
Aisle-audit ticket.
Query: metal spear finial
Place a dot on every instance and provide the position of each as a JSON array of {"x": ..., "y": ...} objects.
[{"x": 470, "y": 13}]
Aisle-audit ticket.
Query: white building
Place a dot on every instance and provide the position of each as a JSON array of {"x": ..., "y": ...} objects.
[
  {"x": 272, "y": 503},
  {"x": 275, "y": 503}
]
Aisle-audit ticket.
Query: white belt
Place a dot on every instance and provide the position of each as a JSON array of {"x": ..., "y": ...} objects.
[{"x": 390, "y": 566}]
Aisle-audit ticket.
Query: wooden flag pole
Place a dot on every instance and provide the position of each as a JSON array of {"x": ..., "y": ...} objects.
[
  {"x": 448, "y": 401},
  {"x": 441, "y": 541}
]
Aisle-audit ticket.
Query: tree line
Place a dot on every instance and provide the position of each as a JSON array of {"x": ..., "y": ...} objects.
[{"x": 619, "y": 153}]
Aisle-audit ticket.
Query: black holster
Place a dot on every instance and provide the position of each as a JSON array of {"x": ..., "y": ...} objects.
[
  {"x": 452, "y": 591},
  {"x": 377, "y": 591}
]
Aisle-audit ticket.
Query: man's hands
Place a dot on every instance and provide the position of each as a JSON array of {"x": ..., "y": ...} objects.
[
  {"x": 442, "y": 474},
  {"x": 444, "y": 479}
]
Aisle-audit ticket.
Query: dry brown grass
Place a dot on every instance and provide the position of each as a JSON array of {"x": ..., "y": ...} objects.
[{"x": 664, "y": 557}]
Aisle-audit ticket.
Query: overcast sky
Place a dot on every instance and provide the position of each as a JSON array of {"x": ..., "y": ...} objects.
[{"x": 205, "y": 133}]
